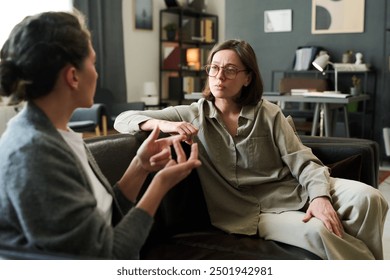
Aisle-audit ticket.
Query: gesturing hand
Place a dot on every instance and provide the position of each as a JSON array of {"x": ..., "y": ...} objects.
[
  {"x": 155, "y": 153},
  {"x": 322, "y": 209},
  {"x": 177, "y": 170}
]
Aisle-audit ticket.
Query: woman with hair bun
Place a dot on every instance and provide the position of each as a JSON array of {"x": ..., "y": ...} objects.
[{"x": 53, "y": 197}]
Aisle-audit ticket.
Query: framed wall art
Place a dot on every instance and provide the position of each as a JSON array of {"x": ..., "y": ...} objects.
[
  {"x": 337, "y": 16},
  {"x": 143, "y": 10},
  {"x": 277, "y": 21}
]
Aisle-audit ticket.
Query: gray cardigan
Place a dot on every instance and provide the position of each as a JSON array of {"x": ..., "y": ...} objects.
[{"x": 46, "y": 201}]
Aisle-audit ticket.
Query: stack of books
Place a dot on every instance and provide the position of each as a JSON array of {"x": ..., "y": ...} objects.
[{"x": 301, "y": 91}]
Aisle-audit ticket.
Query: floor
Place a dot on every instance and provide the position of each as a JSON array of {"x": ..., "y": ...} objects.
[{"x": 385, "y": 165}]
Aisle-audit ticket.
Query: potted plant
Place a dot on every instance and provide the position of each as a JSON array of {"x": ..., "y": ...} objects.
[
  {"x": 355, "y": 89},
  {"x": 171, "y": 29}
]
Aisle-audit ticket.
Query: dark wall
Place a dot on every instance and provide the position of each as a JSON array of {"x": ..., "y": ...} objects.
[{"x": 275, "y": 51}]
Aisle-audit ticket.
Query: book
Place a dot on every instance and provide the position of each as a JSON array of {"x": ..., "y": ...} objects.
[
  {"x": 304, "y": 56},
  {"x": 193, "y": 95},
  {"x": 272, "y": 93},
  {"x": 300, "y": 91},
  {"x": 351, "y": 67},
  {"x": 188, "y": 84},
  {"x": 326, "y": 94},
  {"x": 208, "y": 31}
]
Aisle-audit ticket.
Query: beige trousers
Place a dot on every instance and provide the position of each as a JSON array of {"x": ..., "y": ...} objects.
[{"x": 362, "y": 210}]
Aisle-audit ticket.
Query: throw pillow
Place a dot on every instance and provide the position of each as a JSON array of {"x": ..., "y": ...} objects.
[{"x": 348, "y": 168}]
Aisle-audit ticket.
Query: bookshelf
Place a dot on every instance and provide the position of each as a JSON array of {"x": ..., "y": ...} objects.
[{"x": 183, "y": 56}]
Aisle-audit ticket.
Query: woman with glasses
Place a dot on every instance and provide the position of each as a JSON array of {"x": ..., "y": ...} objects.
[{"x": 256, "y": 175}]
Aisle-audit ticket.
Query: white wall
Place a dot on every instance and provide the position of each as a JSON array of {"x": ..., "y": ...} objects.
[
  {"x": 142, "y": 47},
  {"x": 16, "y": 10}
]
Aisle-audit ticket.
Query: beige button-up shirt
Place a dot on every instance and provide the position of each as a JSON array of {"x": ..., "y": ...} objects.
[{"x": 264, "y": 168}]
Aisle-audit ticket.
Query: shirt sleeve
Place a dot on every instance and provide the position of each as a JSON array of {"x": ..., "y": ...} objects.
[
  {"x": 311, "y": 173},
  {"x": 56, "y": 211},
  {"x": 129, "y": 121}
]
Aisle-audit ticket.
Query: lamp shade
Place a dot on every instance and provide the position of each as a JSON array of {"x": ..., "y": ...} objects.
[
  {"x": 321, "y": 62},
  {"x": 193, "y": 58},
  {"x": 150, "y": 89},
  {"x": 150, "y": 94}
]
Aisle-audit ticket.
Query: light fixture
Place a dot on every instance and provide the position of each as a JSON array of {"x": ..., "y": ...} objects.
[
  {"x": 193, "y": 58},
  {"x": 150, "y": 94},
  {"x": 320, "y": 64}
]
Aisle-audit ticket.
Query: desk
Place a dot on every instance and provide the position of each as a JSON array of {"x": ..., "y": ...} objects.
[{"x": 322, "y": 109}]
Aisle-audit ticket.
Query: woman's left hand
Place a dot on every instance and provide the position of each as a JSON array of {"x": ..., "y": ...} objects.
[{"x": 322, "y": 209}]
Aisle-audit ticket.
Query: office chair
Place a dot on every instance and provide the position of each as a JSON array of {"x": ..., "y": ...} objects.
[
  {"x": 117, "y": 108},
  {"x": 92, "y": 119},
  {"x": 114, "y": 107}
]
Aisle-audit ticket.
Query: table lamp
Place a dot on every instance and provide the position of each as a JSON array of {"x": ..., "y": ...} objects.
[
  {"x": 193, "y": 58},
  {"x": 321, "y": 62},
  {"x": 150, "y": 94}
]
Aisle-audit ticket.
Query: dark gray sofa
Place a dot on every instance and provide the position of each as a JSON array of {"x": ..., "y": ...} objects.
[{"x": 182, "y": 228}]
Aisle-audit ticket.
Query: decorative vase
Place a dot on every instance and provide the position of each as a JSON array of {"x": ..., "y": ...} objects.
[{"x": 171, "y": 35}]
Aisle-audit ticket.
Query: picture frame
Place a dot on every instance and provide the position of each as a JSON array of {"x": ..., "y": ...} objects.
[
  {"x": 143, "y": 14},
  {"x": 342, "y": 16},
  {"x": 278, "y": 21}
]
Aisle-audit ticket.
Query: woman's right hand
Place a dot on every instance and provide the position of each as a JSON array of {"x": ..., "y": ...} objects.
[
  {"x": 176, "y": 170},
  {"x": 173, "y": 172}
]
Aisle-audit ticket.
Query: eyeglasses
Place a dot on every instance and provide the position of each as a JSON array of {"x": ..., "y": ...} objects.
[{"x": 229, "y": 72}]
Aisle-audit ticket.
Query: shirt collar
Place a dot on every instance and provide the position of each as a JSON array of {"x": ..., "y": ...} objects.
[{"x": 247, "y": 112}]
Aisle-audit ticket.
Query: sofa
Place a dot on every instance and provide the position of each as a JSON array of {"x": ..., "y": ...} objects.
[{"x": 182, "y": 228}]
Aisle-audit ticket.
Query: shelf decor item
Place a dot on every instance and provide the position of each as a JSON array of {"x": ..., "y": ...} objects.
[
  {"x": 355, "y": 89},
  {"x": 171, "y": 30},
  {"x": 150, "y": 94},
  {"x": 193, "y": 58}
]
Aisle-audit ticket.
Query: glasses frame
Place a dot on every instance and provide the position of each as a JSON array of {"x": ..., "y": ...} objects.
[{"x": 223, "y": 71}]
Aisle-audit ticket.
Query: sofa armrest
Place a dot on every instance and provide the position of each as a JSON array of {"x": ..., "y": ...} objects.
[
  {"x": 333, "y": 149},
  {"x": 113, "y": 153}
]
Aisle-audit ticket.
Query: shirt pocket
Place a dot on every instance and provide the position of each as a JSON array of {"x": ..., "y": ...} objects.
[{"x": 263, "y": 155}]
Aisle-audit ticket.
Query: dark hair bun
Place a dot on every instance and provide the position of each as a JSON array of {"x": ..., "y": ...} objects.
[{"x": 9, "y": 77}]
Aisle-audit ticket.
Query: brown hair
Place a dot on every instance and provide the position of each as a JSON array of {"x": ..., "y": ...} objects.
[
  {"x": 251, "y": 94},
  {"x": 37, "y": 49}
]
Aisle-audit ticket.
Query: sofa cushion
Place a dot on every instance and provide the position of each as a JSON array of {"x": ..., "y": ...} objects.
[
  {"x": 333, "y": 149},
  {"x": 217, "y": 245},
  {"x": 348, "y": 168}
]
